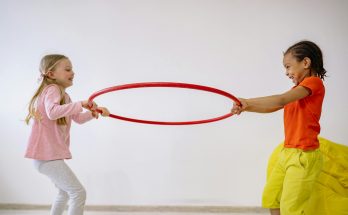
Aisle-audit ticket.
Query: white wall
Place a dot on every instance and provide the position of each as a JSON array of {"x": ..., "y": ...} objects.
[{"x": 232, "y": 45}]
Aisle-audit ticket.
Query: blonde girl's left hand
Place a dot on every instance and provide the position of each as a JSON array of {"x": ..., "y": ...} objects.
[
  {"x": 100, "y": 110},
  {"x": 95, "y": 114},
  {"x": 104, "y": 111}
]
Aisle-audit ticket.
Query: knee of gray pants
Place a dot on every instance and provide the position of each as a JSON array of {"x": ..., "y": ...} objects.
[
  {"x": 79, "y": 194},
  {"x": 63, "y": 195}
]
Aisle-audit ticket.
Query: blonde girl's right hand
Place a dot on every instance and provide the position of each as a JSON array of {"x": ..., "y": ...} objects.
[{"x": 89, "y": 105}]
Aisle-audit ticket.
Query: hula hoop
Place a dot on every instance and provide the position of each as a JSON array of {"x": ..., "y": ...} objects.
[{"x": 166, "y": 84}]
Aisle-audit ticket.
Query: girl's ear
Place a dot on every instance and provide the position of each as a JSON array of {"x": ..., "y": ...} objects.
[
  {"x": 307, "y": 62},
  {"x": 50, "y": 74}
]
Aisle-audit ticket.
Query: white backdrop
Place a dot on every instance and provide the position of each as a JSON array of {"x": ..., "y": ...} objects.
[{"x": 232, "y": 45}]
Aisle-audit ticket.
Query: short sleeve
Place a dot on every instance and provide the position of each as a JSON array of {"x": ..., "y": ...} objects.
[{"x": 314, "y": 84}]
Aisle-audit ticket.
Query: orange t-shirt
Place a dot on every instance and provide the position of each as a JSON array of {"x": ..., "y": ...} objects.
[{"x": 301, "y": 117}]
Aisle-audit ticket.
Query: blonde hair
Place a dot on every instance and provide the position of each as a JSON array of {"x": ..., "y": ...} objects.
[{"x": 48, "y": 63}]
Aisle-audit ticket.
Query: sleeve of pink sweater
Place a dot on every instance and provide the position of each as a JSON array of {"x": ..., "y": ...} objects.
[
  {"x": 81, "y": 118},
  {"x": 53, "y": 107}
]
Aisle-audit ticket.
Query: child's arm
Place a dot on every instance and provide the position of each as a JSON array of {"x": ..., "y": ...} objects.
[
  {"x": 273, "y": 103},
  {"x": 81, "y": 118},
  {"x": 53, "y": 107}
]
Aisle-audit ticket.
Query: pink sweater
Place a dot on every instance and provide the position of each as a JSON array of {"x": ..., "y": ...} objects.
[{"x": 48, "y": 140}]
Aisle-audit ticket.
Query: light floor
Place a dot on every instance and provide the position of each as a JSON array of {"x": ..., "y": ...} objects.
[{"x": 43, "y": 212}]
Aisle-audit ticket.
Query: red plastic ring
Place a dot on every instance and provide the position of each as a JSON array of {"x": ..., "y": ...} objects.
[{"x": 166, "y": 84}]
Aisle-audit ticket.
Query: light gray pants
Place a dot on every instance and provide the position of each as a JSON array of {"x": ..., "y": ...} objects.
[{"x": 68, "y": 185}]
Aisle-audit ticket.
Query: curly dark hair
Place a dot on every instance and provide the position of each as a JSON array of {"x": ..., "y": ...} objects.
[{"x": 309, "y": 49}]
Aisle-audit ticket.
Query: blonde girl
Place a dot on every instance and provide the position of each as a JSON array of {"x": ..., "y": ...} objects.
[{"x": 52, "y": 111}]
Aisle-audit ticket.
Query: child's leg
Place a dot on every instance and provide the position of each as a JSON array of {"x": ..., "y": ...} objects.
[
  {"x": 274, "y": 185},
  {"x": 60, "y": 202},
  {"x": 66, "y": 181},
  {"x": 301, "y": 174},
  {"x": 275, "y": 211}
]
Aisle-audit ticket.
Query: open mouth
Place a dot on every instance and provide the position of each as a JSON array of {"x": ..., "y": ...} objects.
[{"x": 293, "y": 79}]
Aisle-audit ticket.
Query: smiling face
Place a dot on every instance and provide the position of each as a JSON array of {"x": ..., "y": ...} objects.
[
  {"x": 296, "y": 70},
  {"x": 62, "y": 73}
]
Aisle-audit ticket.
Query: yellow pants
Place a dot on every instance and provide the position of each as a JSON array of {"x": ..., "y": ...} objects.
[{"x": 291, "y": 181}]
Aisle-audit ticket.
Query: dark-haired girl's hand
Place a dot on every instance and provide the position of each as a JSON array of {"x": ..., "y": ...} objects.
[{"x": 239, "y": 108}]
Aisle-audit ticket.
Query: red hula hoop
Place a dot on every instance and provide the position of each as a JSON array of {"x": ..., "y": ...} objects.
[{"x": 166, "y": 84}]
